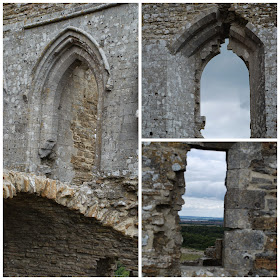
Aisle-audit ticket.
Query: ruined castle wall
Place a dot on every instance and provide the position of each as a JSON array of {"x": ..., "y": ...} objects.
[
  {"x": 112, "y": 201},
  {"x": 263, "y": 20},
  {"x": 114, "y": 27},
  {"x": 250, "y": 208},
  {"x": 42, "y": 238},
  {"x": 163, "y": 166},
  {"x": 70, "y": 138},
  {"x": 171, "y": 78},
  {"x": 167, "y": 107},
  {"x": 21, "y": 12}
]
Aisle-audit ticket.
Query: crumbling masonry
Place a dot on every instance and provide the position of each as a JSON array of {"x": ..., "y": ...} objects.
[
  {"x": 70, "y": 139},
  {"x": 249, "y": 244},
  {"x": 180, "y": 39}
]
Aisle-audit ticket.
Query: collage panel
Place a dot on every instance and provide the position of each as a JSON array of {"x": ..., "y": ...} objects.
[
  {"x": 209, "y": 209},
  {"x": 105, "y": 169},
  {"x": 209, "y": 70},
  {"x": 70, "y": 139}
]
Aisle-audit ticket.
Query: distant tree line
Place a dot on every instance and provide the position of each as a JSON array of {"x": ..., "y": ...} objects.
[{"x": 201, "y": 237}]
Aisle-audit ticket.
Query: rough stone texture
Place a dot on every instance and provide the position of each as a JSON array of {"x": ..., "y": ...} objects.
[
  {"x": 13, "y": 12},
  {"x": 73, "y": 156},
  {"x": 70, "y": 135},
  {"x": 114, "y": 33},
  {"x": 196, "y": 271},
  {"x": 215, "y": 252},
  {"x": 249, "y": 244},
  {"x": 180, "y": 39},
  {"x": 112, "y": 201},
  {"x": 43, "y": 238}
]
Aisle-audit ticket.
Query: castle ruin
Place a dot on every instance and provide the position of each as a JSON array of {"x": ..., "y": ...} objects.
[
  {"x": 70, "y": 139},
  {"x": 180, "y": 39}
]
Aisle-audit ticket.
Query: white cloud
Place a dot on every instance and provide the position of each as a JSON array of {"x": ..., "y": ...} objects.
[
  {"x": 202, "y": 207},
  {"x": 205, "y": 183},
  {"x": 225, "y": 97}
]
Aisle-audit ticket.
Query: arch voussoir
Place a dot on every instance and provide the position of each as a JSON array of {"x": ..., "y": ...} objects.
[{"x": 71, "y": 196}]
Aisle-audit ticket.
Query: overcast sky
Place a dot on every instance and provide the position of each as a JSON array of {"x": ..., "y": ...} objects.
[
  {"x": 205, "y": 184},
  {"x": 225, "y": 96}
]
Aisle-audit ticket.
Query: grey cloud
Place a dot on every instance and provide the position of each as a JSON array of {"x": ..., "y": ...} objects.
[
  {"x": 205, "y": 182},
  {"x": 225, "y": 97}
]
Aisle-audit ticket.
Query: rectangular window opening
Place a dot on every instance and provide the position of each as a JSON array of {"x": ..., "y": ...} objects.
[{"x": 202, "y": 215}]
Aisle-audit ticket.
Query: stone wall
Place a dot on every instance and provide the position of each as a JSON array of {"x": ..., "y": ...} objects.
[
  {"x": 27, "y": 44},
  {"x": 50, "y": 224},
  {"x": 180, "y": 39},
  {"x": 250, "y": 209},
  {"x": 42, "y": 238},
  {"x": 13, "y": 12},
  {"x": 70, "y": 139},
  {"x": 112, "y": 201}
]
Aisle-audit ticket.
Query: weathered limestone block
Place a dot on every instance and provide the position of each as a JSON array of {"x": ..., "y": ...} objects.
[
  {"x": 245, "y": 239},
  {"x": 265, "y": 223},
  {"x": 238, "y": 178},
  {"x": 242, "y": 154},
  {"x": 237, "y": 218},
  {"x": 245, "y": 199},
  {"x": 265, "y": 263}
]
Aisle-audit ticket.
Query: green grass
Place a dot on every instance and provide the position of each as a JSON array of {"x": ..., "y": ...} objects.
[{"x": 121, "y": 271}]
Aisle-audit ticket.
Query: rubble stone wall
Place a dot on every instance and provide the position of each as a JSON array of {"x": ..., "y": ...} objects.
[
  {"x": 180, "y": 39},
  {"x": 112, "y": 201},
  {"x": 249, "y": 245},
  {"x": 42, "y": 238},
  {"x": 20, "y": 12}
]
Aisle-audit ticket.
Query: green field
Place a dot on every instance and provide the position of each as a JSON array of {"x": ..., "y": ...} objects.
[
  {"x": 200, "y": 237},
  {"x": 190, "y": 255}
]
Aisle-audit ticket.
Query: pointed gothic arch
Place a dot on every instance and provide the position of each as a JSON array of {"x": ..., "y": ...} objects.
[
  {"x": 69, "y": 49},
  {"x": 200, "y": 41}
]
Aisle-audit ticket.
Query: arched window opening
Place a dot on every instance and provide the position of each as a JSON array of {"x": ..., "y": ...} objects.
[
  {"x": 225, "y": 97},
  {"x": 202, "y": 215},
  {"x": 196, "y": 46},
  {"x": 70, "y": 79}
]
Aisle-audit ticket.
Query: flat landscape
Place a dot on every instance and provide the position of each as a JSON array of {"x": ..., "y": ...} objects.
[{"x": 198, "y": 234}]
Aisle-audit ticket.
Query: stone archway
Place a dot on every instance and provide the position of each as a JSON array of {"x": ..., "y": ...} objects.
[
  {"x": 53, "y": 86},
  {"x": 84, "y": 199},
  {"x": 201, "y": 41},
  {"x": 48, "y": 223}
]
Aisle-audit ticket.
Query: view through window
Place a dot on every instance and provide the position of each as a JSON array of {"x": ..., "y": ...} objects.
[
  {"x": 225, "y": 96},
  {"x": 201, "y": 217}
]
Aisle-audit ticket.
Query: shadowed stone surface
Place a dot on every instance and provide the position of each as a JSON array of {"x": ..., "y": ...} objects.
[
  {"x": 43, "y": 238},
  {"x": 108, "y": 202}
]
